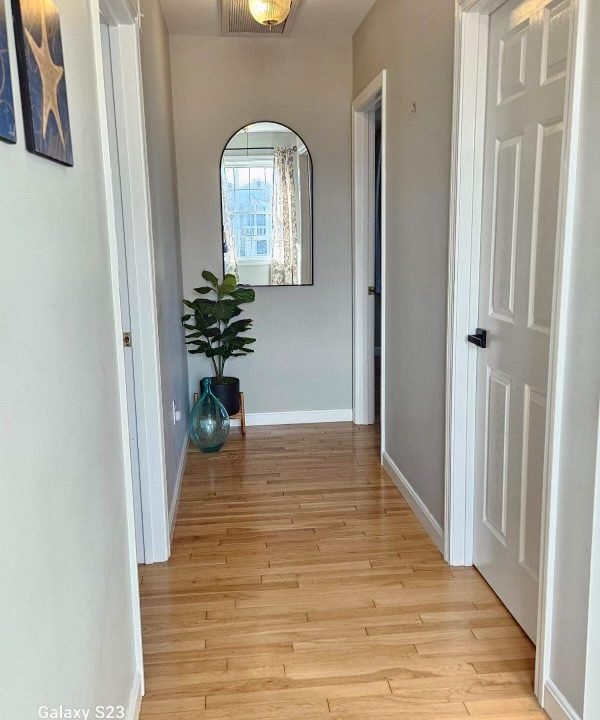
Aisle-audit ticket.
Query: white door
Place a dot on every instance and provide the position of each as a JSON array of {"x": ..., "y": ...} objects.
[
  {"x": 123, "y": 286},
  {"x": 525, "y": 108}
]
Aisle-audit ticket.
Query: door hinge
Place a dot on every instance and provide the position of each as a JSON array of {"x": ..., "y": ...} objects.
[
  {"x": 371, "y": 290},
  {"x": 127, "y": 339}
]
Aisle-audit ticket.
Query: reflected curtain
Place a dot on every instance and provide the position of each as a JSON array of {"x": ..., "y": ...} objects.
[
  {"x": 229, "y": 249},
  {"x": 284, "y": 264}
]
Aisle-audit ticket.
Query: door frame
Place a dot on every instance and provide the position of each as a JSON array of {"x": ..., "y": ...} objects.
[
  {"x": 363, "y": 185},
  {"x": 124, "y": 27},
  {"x": 471, "y": 56}
]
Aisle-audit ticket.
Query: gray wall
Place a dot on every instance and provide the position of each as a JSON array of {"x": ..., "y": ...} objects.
[
  {"x": 575, "y": 661},
  {"x": 414, "y": 42},
  {"x": 65, "y": 604},
  {"x": 303, "y": 357},
  {"x": 156, "y": 70}
]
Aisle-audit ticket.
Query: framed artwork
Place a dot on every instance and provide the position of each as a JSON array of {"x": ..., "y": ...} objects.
[
  {"x": 8, "y": 130},
  {"x": 42, "y": 78}
]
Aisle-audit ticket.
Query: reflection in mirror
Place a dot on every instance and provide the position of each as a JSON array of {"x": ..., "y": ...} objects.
[{"x": 266, "y": 195}]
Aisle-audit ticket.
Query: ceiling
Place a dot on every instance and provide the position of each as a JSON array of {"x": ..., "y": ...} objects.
[{"x": 314, "y": 18}]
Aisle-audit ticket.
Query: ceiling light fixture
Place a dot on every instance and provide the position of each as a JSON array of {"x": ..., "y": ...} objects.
[{"x": 270, "y": 12}]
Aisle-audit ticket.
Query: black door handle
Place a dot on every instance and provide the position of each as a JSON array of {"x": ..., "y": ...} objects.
[{"x": 479, "y": 339}]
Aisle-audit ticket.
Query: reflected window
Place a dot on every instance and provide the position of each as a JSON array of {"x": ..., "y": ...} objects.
[{"x": 249, "y": 190}]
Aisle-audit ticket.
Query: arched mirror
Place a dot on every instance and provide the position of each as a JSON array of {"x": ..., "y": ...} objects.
[{"x": 266, "y": 201}]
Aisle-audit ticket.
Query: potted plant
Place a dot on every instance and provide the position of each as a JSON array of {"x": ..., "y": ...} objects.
[{"x": 214, "y": 332}]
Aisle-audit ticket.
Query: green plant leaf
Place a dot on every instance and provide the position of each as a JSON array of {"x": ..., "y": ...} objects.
[
  {"x": 243, "y": 294},
  {"x": 225, "y": 310},
  {"x": 204, "y": 306},
  {"x": 237, "y": 327},
  {"x": 200, "y": 346},
  {"x": 228, "y": 285},
  {"x": 203, "y": 290},
  {"x": 211, "y": 278}
]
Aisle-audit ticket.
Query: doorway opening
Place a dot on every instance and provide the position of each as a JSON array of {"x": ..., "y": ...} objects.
[
  {"x": 369, "y": 141},
  {"x": 376, "y": 287}
]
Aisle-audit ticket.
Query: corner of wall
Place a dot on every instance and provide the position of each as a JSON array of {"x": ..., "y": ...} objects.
[{"x": 407, "y": 491}]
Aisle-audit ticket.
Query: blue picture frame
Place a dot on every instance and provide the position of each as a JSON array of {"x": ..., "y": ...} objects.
[
  {"x": 42, "y": 79},
  {"x": 8, "y": 130}
]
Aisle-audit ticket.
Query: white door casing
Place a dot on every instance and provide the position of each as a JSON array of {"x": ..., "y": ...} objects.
[
  {"x": 527, "y": 62},
  {"x": 121, "y": 13},
  {"x": 123, "y": 287},
  {"x": 364, "y": 179},
  {"x": 136, "y": 215}
]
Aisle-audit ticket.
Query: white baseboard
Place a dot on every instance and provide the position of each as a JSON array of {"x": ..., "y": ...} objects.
[
  {"x": 177, "y": 491},
  {"x": 556, "y": 704},
  {"x": 135, "y": 699},
  {"x": 430, "y": 524},
  {"x": 298, "y": 417}
]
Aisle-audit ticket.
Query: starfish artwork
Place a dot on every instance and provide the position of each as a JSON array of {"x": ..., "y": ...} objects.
[
  {"x": 8, "y": 130},
  {"x": 43, "y": 83}
]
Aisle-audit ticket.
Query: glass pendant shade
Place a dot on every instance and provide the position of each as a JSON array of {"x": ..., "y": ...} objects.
[
  {"x": 270, "y": 12},
  {"x": 209, "y": 421}
]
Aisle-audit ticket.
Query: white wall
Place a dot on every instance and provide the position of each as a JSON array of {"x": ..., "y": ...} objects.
[
  {"x": 303, "y": 357},
  {"x": 156, "y": 71},
  {"x": 575, "y": 655},
  {"x": 414, "y": 42},
  {"x": 65, "y": 598}
]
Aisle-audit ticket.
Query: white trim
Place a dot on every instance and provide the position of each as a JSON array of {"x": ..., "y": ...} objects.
[
  {"x": 556, "y": 704},
  {"x": 419, "y": 508},
  {"x": 135, "y": 699},
  {"x": 122, "y": 8},
  {"x": 558, "y": 352},
  {"x": 234, "y": 161},
  {"x": 254, "y": 261},
  {"x": 363, "y": 183},
  {"x": 463, "y": 288},
  {"x": 296, "y": 417},
  {"x": 131, "y": 131},
  {"x": 177, "y": 490}
]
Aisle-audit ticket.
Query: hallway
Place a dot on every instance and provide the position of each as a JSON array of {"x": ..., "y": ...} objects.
[{"x": 301, "y": 585}]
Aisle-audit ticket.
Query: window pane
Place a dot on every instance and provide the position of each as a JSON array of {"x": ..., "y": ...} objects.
[
  {"x": 243, "y": 177},
  {"x": 250, "y": 204}
]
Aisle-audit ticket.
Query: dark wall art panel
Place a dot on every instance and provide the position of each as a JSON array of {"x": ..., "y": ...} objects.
[
  {"x": 8, "y": 130},
  {"x": 42, "y": 76}
]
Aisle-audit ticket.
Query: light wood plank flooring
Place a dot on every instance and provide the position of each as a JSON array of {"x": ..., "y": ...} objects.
[{"x": 302, "y": 587}]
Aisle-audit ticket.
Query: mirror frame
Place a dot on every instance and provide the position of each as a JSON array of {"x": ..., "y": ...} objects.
[{"x": 312, "y": 203}]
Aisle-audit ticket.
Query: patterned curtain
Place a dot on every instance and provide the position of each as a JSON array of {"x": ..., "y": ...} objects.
[
  {"x": 284, "y": 266},
  {"x": 229, "y": 252}
]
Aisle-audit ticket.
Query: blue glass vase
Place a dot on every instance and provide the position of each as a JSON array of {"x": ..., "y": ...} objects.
[{"x": 209, "y": 421}]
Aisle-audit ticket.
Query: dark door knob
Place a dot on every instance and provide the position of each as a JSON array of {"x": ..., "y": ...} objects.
[{"x": 479, "y": 338}]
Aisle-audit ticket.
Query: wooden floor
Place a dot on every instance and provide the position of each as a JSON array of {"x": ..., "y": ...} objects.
[{"x": 302, "y": 587}]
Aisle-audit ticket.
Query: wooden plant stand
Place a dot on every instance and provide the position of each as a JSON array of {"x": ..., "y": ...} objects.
[{"x": 241, "y": 416}]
